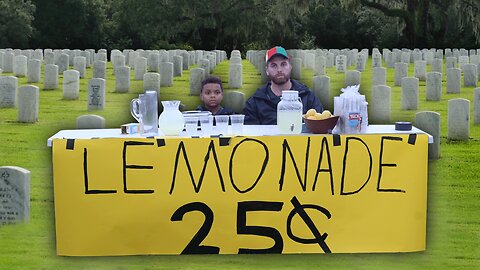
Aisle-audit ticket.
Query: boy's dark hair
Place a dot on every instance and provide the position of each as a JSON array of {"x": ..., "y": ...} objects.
[{"x": 211, "y": 79}]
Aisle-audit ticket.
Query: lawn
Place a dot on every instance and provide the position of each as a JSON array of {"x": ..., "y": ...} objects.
[{"x": 453, "y": 231}]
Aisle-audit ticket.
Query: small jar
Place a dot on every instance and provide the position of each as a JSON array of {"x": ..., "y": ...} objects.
[{"x": 289, "y": 113}]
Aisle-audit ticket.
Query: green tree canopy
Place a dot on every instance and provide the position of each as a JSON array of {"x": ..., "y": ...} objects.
[{"x": 16, "y": 17}]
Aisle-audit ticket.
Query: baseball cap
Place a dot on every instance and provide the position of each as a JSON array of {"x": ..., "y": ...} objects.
[{"x": 277, "y": 50}]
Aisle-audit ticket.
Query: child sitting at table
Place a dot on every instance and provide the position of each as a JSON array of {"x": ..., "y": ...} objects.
[{"x": 211, "y": 95}]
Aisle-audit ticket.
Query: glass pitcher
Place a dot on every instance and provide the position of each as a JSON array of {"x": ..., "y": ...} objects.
[
  {"x": 289, "y": 113},
  {"x": 171, "y": 120},
  {"x": 145, "y": 110}
]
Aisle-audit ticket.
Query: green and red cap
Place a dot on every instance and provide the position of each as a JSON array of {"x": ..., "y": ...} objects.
[{"x": 277, "y": 50}]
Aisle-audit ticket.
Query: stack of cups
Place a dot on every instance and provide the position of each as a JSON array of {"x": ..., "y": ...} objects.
[
  {"x": 237, "y": 123},
  {"x": 206, "y": 123},
  {"x": 221, "y": 122}
]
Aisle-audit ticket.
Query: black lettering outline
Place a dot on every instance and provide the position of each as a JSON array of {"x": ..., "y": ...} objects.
[
  {"x": 136, "y": 167},
  {"x": 381, "y": 165},
  {"x": 181, "y": 149},
  {"x": 264, "y": 165},
  {"x": 345, "y": 166}
]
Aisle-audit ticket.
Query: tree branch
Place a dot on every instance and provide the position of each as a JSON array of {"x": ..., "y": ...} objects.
[{"x": 391, "y": 12}]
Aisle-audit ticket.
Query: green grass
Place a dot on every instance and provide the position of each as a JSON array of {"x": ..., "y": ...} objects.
[{"x": 453, "y": 226}]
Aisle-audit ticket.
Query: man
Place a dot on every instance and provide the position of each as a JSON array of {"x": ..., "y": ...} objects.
[{"x": 261, "y": 107}]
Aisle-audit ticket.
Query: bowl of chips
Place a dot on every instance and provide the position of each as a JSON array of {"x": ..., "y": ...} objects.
[{"x": 320, "y": 123}]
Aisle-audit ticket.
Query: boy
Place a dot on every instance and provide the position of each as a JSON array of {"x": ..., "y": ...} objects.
[{"x": 211, "y": 95}]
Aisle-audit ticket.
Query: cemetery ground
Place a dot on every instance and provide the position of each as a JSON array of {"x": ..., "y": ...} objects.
[{"x": 453, "y": 225}]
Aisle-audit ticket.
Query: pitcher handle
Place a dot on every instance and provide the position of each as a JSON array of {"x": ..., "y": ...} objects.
[{"x": 135, "y": 109}]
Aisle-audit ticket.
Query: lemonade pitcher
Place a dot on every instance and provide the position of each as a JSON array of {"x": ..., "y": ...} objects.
[{"x": 171, "y": 120}]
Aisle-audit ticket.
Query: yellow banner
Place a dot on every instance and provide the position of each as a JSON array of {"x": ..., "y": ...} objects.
[{"x": 270, "y": 194}]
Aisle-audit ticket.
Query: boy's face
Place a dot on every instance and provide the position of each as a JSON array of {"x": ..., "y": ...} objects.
[{"x": 211, "y": 95}]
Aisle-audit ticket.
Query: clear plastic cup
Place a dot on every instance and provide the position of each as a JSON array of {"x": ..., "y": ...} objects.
[
  {"x": 191, "y": 124},
  {"x": 237, "y": 123},
  {"x": 206, "y": 123},
  {"x": 221, "y": 124}
]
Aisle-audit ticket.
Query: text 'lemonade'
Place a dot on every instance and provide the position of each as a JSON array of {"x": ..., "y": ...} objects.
[{"x": 289, "y": 113}]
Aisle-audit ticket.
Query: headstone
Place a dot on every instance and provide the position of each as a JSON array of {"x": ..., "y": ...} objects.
[
  {"x": 79, "y": 64},
  {"x": 132, "y": 58},
  {"x": 8, "y": 91},
  {"x": 434, "y": 86},
  {"x": 71, "y": 84},
  {"x": 380, "y": 105},
  {"x": 118, "y": 60},
  {"x": 341, "y": 64},
  {"x": 63, "y": 63},
  {"x": 49, "y": 58},
  {"x": 196, "y": 77},
  {"x": 409, "y": 93},
  {"x": 177, "y": 66},
  {"x": 166, "y": 74},
  {"x": 451, "y": 62},
  {"x": 352, "y": 77},
  {"x": 379, "y": 76},
  {"x": 90, "y": 121},
  {"x": 321, "y": 88},
  {"x": 406, "y": 57},
  {"x": 235, "y": 60},
  {"x": 458, "y": 119},
  {"x": 453, "y": 80},
  {"x": 376, "y": 60},
  {"x": 401, "y": 71},
  {"x": 235, "y": 76},
  {"x": 437, "y": 65},
  {"x": 122, "y": 79},
  {"x": 185, "y": 61},
  {"x": 8, "y": 62},
  {"x": 96, "y": 94},
  {"x": 420, "y": 70},
  {"x": 151, "y": 81},
  {"x": 141, "y": 67},
  {"x": 50, "y": 77},
  {"x": 470, "y": 75},
  {"x": 100, "y": 69},
  {"x": 430, "y": 122},
  {"x": 463, "y": 60},
  {"x": 28, "y": 98},
  {"x": 389, "y": 59},
  {"x": 20, "y": 66},
  {"x": 205, "y": 65},
  {"x": 330, "y": 60},
  {"x": 101, "y": 56},
  {"x": 33, "y": 71},
  {"x": 361, "y": 61},
  {"x": 320, "y": 64},
  {"x": 296, "y": 73},
  {"x": 153, "y": 62},
  {"x": 87, "y": 60},
  {"x": 14, "y": 195},
  {"x": 234, "y": 100},
  {"x": 476, "y": 106}
]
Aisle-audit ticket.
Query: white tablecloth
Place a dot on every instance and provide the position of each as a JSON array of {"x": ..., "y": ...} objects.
[{"x": 248, "y": 130}]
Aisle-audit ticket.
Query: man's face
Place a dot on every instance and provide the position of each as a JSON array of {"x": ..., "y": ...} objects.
[
  {"x": 279, "y": 69},
  {"x": 211, "y": 95}
]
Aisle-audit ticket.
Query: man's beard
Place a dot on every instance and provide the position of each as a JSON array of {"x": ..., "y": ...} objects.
[{"x": 280, "y": 81}]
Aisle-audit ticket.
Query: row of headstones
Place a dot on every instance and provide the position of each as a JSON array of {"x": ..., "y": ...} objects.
[
  {"x": 320, "y": 59},
  {"x": 19, "y": 62},
  {"x": 433, "y": 79},
  {"x": 96, "y": 90}
]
